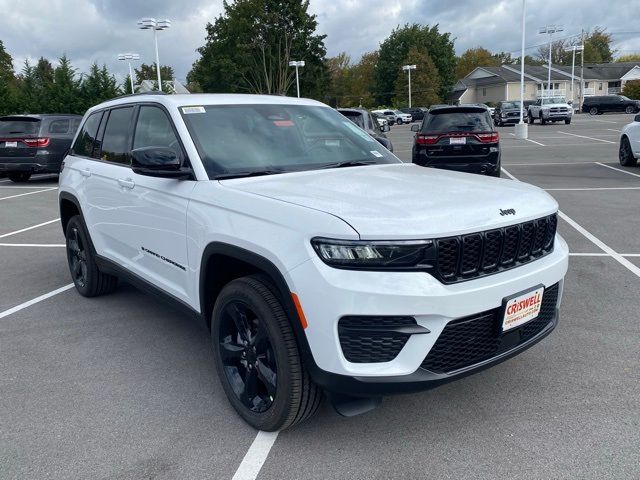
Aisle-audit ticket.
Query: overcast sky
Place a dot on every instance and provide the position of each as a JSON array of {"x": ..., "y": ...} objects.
[{"x": 97, "y": 30}]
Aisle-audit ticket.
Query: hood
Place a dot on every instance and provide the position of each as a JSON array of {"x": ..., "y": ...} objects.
[
  {"x": 404, "y": 200},
  {"x": 549, "y": 105}
]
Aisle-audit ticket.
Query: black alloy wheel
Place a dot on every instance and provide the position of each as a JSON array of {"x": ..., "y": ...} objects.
[
  {"x": 629, "y": 109},
  {"x": 593, "y": 111},
  {"x": 625, "y": 154},
  {"x": 247, "y": 356},
  {"x": 77, "y": 257}
]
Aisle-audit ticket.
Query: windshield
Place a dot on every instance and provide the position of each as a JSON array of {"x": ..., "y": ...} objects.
[
  {"x": 507, "y": 105},
  {"x": 277, "y": 138},
  {"x": 624, "y": 98},
  {"x": 465, "y": 121},
  {"x": 19, "y": 126},
  {"x": 547, "y": 101}
]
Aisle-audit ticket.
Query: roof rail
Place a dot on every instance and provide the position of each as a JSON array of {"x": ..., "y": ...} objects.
[{"x": 141, "y": 93}]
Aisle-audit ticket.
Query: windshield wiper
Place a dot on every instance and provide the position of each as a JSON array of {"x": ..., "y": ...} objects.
[
  {"x": 350, "y": 163},
  {"x": 250, "y": 173}
]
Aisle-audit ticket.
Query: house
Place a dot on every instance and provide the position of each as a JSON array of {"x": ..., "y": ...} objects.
[{"x": 494, "y": 84}]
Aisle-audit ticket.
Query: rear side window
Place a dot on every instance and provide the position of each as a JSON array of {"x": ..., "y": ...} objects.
[
  {"x": 154, "y": 129},
  {"x": 355, "y": 117},
  {"x": 460, "y": 121},
  {"x": 59, "y": 126},
  {"x": 116, "y": 140},
  {"x": 19, "y": 126},
  {"x": 84, "y": 144}
]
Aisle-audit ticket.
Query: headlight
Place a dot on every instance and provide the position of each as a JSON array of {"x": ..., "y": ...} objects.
[
  {"x": 503, "y": 115},
  {"x": 372, "y": 254}
]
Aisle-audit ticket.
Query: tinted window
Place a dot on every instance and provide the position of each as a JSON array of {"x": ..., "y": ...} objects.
[
  {"x": 458, "y": 121},
  {"x": 355, "y": 117},
  {"x": 153, "y": 129},
  {"x": 59, "y": 126},
  {"x": 87, "y": 137},
  {"x": 115, "y": 143},
  {"x": 19, "y": 126}
]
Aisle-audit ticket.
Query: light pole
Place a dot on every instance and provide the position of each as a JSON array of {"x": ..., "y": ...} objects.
[
  {"x": 129, "y": 57},
  {"x": 522, "y": 129},
  {"x": 408, "y": 69},
  {"x": 155, "y": 25},
  {"x": 550, "y": 30},
  {"x": 297, "y": 64},
  {"x": 574, "y": 48}
]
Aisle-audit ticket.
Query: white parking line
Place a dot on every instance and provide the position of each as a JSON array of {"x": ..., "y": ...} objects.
[
  {"x": 614, "y": 129},
  {"x": 43, "y": 245},
  {"x": 28, "y": 193},
  {"x": 602, "y": 254},
  {"x": 22, "y": 187},
  {"x": 39, "y": 299},
  {"x": 586, "y": 189},
  {"x": 617, "y": 169},
  {"x": 595, "y": 240},
  {"x": 533, "y": 141},
  {"x": 256, "y": 456},
  {"x": 590, "y": 138},
  {"x": 545, "y": 163},
  {"x": 29, "y": 228}
]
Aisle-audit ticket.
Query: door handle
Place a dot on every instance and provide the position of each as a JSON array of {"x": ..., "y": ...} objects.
[
  {"x": 126, "y": 183},
  {"x": 85, "y": 172}
]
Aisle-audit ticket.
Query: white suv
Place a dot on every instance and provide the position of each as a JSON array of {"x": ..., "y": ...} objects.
[{"x": 318, "y": 260}]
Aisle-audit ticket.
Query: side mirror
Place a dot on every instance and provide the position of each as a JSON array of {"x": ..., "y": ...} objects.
[
  {"x": 158, "y": 162},
  {"x": 636, "y": 118},
  {"x": 415, "y": 128},
  {"x": 385, "y": 143}
]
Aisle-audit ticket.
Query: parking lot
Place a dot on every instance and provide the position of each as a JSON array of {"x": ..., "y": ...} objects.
[{"x": 123, "y": 387}]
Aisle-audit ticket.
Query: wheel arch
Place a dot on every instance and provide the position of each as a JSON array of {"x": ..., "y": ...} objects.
[
  {"x": 69, "y": 206},
  {"x": 222, "y": 262}
]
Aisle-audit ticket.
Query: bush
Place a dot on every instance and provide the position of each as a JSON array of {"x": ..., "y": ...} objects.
[{"x": 632, "y": 89}]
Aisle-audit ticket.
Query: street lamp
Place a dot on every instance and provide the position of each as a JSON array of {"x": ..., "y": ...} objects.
[
  {"x": 297, "y": 64},
  {"x": 522, "y": 129},
  {"x": 550, "y": 30},
  {"x": 129, "y": 57},
  {"x": 574, "y": 48},
  {"x": 408, "y": 69},
  {"x": 155, "y": 25}
]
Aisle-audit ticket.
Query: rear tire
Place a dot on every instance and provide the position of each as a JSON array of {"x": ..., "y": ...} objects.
[
  {"x": 625, "y": 154},
  {"x": 87, "y": 277},
  {"x": 629, "y": 109},
  {"x": 19, "y": 177},
  {"x": 257, "y": 357},
  {"x": 593, "y": 111}
]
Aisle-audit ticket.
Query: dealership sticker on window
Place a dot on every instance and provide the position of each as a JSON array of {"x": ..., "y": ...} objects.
[
  {"x": 376, "y": 153},
  {"x": 187, "y": 110}
]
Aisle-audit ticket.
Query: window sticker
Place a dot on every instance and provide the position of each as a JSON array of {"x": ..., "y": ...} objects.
[
  {"x": 283, "y": 123},
  {"x": 358, "y": 130},
  {"x": 376, "y": 153},
  {"x": 188, "y": 110}
]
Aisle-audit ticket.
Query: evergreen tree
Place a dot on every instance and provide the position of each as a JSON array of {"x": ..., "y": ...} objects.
[
  {"x": 7, "y": 82},
  {"x": 65, "y": 95},
  {"x": 425, "y": 81}
]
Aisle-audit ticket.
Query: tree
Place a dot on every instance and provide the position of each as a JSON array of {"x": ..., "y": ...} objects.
[
  {"x": 473, "y": 58},
  {"x": 395, "y": 48},
  {"x": 7, "y": 82},
  {"x": 99, "y": 85},
  {"x": 559, "y": 53},
  {"x": 27, "y": 92},
  {"x": 632, "y": 89},
  {"x": 249, "y": 46},
  {"x": 149, "y": 72},
  {"x": 633, "y": 57},
  {"x": 65, "y": 92},
  {"x": 425, "y": 81},
  {"x": 597, "y": 46},
  {"x": 528, "y": 60}
]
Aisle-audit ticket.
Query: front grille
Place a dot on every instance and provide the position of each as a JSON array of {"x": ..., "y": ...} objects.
[
  {"x": 372, "y": 339},
  {"x": 559, "y": 109},
  {"x": 478, "y": 254},
  {"x": 470, "y": 340}
]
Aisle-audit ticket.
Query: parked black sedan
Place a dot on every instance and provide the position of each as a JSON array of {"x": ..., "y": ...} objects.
[
  {"x": 507, "y": 113},
  {"x": 365, "y": 120},
  {"x": 460, "y": 138}
]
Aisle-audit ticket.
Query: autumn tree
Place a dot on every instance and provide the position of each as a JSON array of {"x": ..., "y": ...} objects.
[
  {"x": 598, "y": 46},
  {"x": 632, "y": 57},
  {"x": 425, "y": 81},
  {"x": 473, "y": 58}
]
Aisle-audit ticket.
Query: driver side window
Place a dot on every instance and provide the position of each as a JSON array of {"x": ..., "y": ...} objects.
[{"x": 153, "y": 129}]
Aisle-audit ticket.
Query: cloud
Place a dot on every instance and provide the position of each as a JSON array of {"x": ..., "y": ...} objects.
[{"x": 97, "y": 30}]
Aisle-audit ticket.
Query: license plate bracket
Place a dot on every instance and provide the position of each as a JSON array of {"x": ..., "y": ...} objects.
[{"x": 521, "y": 308}]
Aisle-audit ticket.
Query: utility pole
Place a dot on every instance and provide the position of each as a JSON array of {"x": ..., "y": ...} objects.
[{"x": 582, "y": 71}]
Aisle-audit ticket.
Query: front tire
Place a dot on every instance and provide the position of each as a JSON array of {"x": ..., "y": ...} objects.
[
  {"x": 567, "y": 121},
  {"x": 257, "y": 357},
  {"x": 19, "y": 177},
  {"x": 399, "y": 121},
  {"x": 530, "y": 118},
  {"x": 629, "y": 109},
  {"x": 593, "y": 111},
  {"x": 87, "y": 277},
  {"x": 625, "y": 154},
  {"x": 542, "y": 120}
]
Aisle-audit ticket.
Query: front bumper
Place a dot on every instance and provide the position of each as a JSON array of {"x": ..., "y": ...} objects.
[{"x": 328, "y": 294}]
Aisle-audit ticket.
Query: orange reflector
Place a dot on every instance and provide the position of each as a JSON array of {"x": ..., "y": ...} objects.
[{"x": 296, "y": 302}]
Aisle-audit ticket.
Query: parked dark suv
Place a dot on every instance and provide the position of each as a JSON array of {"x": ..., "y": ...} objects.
[
  {"x": 507, "y": 113},
  {"x": 34, "y": 143},
  {"x": 460, "y": 138},
  {"x": 417, "y": 113},
  {"x": 609, "y": 103},
  {"x": 365, "y": 120}
]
